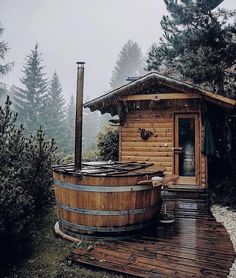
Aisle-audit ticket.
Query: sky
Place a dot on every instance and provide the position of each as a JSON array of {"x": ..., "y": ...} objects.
[{"x": 68, "y": 31}]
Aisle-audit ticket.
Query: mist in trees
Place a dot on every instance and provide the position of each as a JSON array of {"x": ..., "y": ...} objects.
[
  {"x": 70, "y": 125},
  {"x": 39, "y": 102},
  {"x": 198, "y": 44},
  {"x": 3, "y": 93},
  {"x": 30, "y": 100},
  {"x": 92, "y": 124},
  {"x": 5, "y": 67},
  {"x": 97, "y": 136},
  {"x": 130, "y": 63},
  {"x": 25, "y": 171},
  {"x": 55, "y": 118}
]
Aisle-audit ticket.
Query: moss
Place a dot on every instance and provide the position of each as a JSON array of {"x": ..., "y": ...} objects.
[{"x": 49, "y": 257}]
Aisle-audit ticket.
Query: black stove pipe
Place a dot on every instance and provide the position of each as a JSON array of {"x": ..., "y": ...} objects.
[{"x": 79, "y": 115}]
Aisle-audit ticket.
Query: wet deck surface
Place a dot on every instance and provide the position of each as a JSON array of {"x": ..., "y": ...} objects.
[{"x": 194, "y": 246}]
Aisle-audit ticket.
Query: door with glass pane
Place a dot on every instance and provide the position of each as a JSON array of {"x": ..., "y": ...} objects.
[{"x": 187, "y": 149}]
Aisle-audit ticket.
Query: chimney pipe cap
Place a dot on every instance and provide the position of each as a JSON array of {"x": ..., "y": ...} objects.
[{"x": 80, "y": 64}]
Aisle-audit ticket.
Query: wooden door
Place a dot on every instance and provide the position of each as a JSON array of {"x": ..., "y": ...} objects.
[{"x": 187, "y": 149}]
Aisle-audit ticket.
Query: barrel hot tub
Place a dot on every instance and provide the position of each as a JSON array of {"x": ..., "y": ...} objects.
[{"x": 105, "y": 201}]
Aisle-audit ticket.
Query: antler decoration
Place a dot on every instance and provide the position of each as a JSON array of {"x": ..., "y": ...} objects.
[{"x": 145, "y": 134}]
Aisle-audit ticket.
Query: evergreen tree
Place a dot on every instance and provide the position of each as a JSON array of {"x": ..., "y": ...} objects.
[
  {"x": 3, "y": 93},
  {"x": 16, "y": 205},
  {"x": 108, "y": 143},
  {"x": 91, "y": 127},
  {"x": 37, "y": 172},
  {"x": 130, "y": 63},
  {"x": 30, "y": 101},
  {"x": 25, "y": 181},
  {"x": 25, "y": 161},
  {"x": 12, "y": 144},
  {"x": 70, "y": 124},
  {"x": 55, "y": 114},
  {"x": 198, "y": 44},
  {"x": 4, "y": 67}
]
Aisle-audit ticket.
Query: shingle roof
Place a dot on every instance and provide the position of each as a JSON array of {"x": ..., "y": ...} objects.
[{"x": 110, "y": 98}]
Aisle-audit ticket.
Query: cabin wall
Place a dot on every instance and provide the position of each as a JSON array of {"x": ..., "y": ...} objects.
[{"x": 158, "y": 148}]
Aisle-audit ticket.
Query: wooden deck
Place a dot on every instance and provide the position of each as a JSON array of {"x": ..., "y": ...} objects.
[{"x": 195, "y": 246}]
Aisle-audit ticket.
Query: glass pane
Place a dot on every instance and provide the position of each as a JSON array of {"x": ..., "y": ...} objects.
[{"x": 187, "y": 142}]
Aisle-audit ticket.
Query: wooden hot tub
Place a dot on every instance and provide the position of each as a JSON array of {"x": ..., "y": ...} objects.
[{"x": 105, "y": 199}]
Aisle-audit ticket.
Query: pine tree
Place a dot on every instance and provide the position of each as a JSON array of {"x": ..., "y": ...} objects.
[
  {"x": 198, "y": 44},
  {"x": 70, "y": 125},
  {"x": 4, "y": 67},
  {"x": 25, "y": 180},
  {"x": 30, "y": 101},
  {"x": 16, "y": 205},
  {"x": 55, "y": 114},
  {"x": 130, "y": 63},
  {"x": 37, "y": 173},
  {"x": 91, "y": 127},
  {"x": 108, "y": 143},
  {"x": 3, "y": 93}
]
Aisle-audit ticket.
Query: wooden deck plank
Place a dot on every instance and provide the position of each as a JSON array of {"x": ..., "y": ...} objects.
[
  {"x": 173, "y": 252},
  {"x": 165, "y": 267},
  {"x": 195, "y": 246},
  {"x": 194, "y": 262},
  {"x": 118, "y": 263}
]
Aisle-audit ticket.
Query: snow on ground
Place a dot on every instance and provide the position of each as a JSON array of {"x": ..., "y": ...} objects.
[{"x": 228, "y": 218}]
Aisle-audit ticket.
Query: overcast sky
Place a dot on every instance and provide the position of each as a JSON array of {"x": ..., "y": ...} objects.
[{"x": 67, "y": 31}]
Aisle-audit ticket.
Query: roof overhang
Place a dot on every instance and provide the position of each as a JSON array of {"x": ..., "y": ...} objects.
[{"x": 111, "y": 99}]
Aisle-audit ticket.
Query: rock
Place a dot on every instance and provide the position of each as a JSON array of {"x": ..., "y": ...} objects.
[{"x": 228, "y": 218}]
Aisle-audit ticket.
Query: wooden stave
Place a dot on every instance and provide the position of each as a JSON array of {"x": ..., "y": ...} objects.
[
  {"x": 108, "y": 223},
  {"x": 124, "y": 200},
  {"x": 94, "y": 180}
]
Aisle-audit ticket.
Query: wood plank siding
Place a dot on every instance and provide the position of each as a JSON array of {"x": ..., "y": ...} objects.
[
  {"x": 158, "y": 148},
  {"x": 153, "y": 102}
]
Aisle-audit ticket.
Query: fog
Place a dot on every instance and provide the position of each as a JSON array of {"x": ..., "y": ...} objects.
[{"x": 68, "y": 31}]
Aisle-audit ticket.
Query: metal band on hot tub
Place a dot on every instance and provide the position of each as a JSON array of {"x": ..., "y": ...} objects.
[
  {"x": 106, "y": 229},
  {"x": 107, "y": 212},
  {"x": 93, "y": 188}
]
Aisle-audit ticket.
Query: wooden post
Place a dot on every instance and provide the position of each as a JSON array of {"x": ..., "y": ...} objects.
[{"x": 79, "y": 115}]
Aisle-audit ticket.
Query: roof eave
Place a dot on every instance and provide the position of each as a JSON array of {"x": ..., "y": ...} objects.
[{"x": 109, "y": 99}]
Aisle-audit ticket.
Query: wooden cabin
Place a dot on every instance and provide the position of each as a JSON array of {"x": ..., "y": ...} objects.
[{"x": 166, "y": 121}]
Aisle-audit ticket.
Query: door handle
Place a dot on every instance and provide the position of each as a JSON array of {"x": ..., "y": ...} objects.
[{"x": 178, "y": 149}]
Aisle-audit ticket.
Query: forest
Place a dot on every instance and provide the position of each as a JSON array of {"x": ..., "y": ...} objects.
[{"x": 37, "y": 127}]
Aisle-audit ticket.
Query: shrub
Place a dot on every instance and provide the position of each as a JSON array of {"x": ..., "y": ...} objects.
[
  {"x": 16, "y": 205},
  {"x": 25, "y": 180},
  {"x": 16, "y": 218},
  {"x": 224, "y": 192},
  {"x": 68, "y": 159},
  {"x": 90, "y": 155},
  {"x": 108, "y": 143},
  {"x": 37, "y": 173}
]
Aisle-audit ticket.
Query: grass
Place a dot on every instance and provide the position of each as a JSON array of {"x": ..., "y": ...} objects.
[{"x": 48, "y": 257}]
